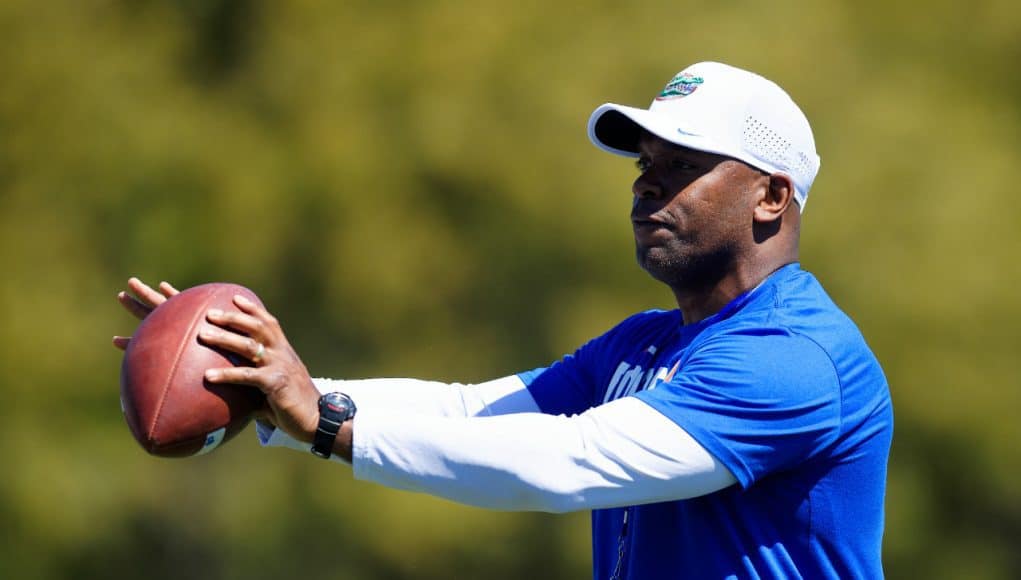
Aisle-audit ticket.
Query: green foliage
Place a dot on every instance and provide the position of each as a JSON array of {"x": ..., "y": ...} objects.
[{"x": 409, "y": 188}]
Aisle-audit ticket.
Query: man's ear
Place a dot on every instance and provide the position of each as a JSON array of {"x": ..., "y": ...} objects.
[{"x": 779, "y": 195}]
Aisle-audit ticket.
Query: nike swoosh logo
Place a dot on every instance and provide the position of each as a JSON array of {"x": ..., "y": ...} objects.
[{"x": 683, "y": 132}]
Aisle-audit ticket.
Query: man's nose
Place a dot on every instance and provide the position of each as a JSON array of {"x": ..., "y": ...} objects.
[{"x": 646, "y": 188}]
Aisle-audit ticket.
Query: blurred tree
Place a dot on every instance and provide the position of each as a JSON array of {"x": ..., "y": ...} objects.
[{"x": 407, "y": 182}]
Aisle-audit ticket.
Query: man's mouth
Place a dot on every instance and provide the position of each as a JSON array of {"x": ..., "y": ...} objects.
[{"x": 648, "y": 222}]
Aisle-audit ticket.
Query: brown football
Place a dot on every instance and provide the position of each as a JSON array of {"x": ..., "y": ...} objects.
[{"x": 170, "y": 408}]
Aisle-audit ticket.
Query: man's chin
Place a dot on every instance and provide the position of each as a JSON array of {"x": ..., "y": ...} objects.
[
  {"x": 680, "y": 270},
  {"x": 660, "y": 264}
]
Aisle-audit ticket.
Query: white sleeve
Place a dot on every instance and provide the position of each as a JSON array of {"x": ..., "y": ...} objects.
[
  {"x": 497, "y": 397},
  {"x": 621, "y": 453},
  {"x": 428, "y": 398}
]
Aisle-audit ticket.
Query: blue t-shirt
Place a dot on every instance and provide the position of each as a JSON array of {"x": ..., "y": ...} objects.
[{"x": 782, "y": 389}]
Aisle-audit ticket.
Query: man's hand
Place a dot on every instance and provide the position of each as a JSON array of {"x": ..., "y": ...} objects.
[
  {"x": 143, "y": 301},
  {"x": 278, "y": 372}
]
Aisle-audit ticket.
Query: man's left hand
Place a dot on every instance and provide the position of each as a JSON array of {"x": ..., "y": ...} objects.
[{"x": 279, "y": 373}]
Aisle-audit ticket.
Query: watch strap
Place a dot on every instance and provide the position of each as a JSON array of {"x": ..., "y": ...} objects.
[{"x": 331, "y": 416}]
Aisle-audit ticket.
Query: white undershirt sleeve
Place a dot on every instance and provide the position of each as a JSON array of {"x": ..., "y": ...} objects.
[
  {"x": 488, "y": 445},
  {"x": 426, "y": 398},
  {"x": 497, "y": 397},
  {"x": 621, "y": 453}
]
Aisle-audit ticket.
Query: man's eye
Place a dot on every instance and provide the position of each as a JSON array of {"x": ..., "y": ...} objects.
[{"x": 643, "y": 164}]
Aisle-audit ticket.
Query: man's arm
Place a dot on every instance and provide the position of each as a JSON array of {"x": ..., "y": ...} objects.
[
  {"x": 497, "y": 397},
  {"x": 621, "y": 453},
  {"x": 501, "y": 396}
]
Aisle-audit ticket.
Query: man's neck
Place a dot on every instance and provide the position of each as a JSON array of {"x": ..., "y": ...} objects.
[{"x": 697, "y": 304}]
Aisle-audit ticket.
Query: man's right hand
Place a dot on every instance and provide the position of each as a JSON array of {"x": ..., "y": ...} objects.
[{"x": 140, "y": 300}]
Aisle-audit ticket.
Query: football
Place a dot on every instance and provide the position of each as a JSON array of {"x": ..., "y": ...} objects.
[{"x": 170, "y": 408}]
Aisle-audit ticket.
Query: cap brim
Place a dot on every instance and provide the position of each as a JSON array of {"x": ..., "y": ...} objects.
[
  {"x": 614, "y": 128},
  {"x": 617, "y": 129}
]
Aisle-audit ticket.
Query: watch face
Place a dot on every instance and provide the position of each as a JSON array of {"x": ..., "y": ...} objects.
[
  {"x": 335, "y": 408},
  {"x": 337, "y": 403}
]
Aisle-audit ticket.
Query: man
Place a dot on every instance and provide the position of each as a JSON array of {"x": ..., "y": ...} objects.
[{"x": 743, "y": 435}]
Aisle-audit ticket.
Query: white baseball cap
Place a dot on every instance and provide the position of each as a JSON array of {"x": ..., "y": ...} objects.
[{"x": 720, "y": 109}]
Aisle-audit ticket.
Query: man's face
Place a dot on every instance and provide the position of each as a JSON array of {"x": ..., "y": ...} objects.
[{"x": 692, "y": 212}]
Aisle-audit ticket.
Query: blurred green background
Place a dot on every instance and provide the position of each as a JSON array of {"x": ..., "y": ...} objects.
[{"x": 408, "y": 186}]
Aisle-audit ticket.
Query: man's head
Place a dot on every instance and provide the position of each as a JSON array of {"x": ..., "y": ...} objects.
[
  {"x": 698, "y": 216},
  {"x": 723, "y": 154},
  {"x": 721, "y": 109}
]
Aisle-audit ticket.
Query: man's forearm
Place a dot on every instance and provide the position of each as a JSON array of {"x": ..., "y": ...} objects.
[
  {"x": 496, "y": 397},
  {"x": 501, "y": 396},
  {"x": 621, "y": 453}
]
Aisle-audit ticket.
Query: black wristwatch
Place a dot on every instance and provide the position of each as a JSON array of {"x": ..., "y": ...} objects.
[{"x": 334, "y": 409}]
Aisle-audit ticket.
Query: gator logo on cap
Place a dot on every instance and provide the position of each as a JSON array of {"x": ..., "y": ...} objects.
[{"x": 681, "y": 85}]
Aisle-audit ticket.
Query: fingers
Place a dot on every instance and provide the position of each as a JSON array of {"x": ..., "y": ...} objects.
[
  {"x": 146, "y": 295},
  {"x": 245, "y": 346},
  {"x": 235, "y": 375},
  {"x": 167, "y": 290},
  {"x": 239, "y": 322},
  {"x": 253, "y": 321},
  {"x": 132, "y": 305},
  {"x": 290, "y": 395},
  {"x": 256, "y": 311},
  {"x": 255, "y": 334},
  {"x": 143, "y": 299},
  {"x": 140, "y": 302},
  {"x": 269, "y": 381}
]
